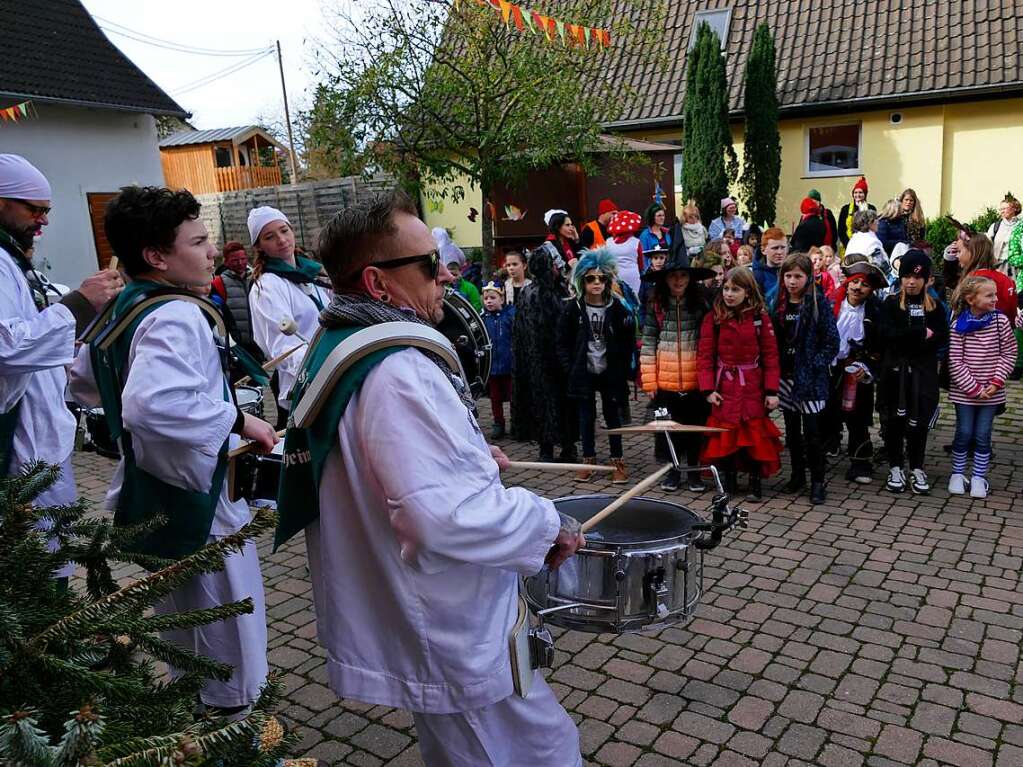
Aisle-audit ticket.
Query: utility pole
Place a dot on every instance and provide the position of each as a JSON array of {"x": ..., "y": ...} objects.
[{"x": 287, "y": 119}]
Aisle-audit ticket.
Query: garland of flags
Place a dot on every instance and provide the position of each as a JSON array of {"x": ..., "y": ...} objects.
[
  {"x": 535, "y": 22},
  {"x": 18, "y": 112}
]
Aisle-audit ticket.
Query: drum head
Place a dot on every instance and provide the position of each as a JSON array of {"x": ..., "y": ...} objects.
[
  {"x": 247, "y": 395},
  {"x": 464, "y": 328},
  {"x": 640, "y": 520}
]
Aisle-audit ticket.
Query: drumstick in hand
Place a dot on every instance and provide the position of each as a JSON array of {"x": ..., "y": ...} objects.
[
  {"x": 538, "y": 466},
  {"x": 271, "y": 364},
  {"x": 248, "y": 447},
  {"x": 624, "y": 498}
]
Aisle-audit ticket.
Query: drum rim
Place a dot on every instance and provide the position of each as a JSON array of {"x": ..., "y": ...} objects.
[{"x": 609, "y": 546}]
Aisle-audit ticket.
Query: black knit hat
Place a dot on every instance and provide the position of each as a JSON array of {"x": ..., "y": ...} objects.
[{"x": 915, "y": 263}]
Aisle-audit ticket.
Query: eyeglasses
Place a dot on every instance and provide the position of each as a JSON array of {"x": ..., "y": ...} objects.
[
  {"x": 592, "y": 279},
  {"x": 36, "y": 210},
  {"x": 431, "y": 259}
]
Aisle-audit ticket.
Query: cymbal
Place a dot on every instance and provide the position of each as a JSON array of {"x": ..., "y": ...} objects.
[{"x": 662, "y": 426}]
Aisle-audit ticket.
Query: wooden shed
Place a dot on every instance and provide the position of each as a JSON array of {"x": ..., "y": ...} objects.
[{"x": 220, "y": 160}]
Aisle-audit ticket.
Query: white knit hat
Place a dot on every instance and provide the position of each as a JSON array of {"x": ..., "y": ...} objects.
[
  {"x": 21, "y": 180},
  {"x": 260, "y": 217}
]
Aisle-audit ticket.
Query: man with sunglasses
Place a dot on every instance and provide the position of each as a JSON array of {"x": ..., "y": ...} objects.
[
  {"x": 38, "y": 338},
  {"x": 415, "y": 546}
]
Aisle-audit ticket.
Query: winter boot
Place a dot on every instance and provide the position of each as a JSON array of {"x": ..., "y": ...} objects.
[
  {"x": 621, "y": 474},
  {"x": 583, "y": 475}
]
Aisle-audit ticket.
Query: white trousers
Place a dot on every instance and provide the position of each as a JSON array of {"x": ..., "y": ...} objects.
[
  {"x": 239, "y": 641},
  {"x": 515, "y": 732},
  {"x": 63, "y": 493}
]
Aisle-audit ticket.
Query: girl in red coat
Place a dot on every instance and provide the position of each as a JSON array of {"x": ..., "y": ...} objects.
[{"x": 738, "y": 373}]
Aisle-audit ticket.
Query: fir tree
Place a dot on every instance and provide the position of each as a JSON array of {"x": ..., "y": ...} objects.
[
  {"x": 706, "y": 139},
  {"x": 761, "y": 154},
  {"x": 78, "y": 679}
]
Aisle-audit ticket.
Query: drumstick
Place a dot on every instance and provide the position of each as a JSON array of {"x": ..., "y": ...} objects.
[
  {"x": 289, "y": 327},
  {"x": 621, "y": 500},
  {"x": 536, "y": 466},
  {"x": 271, "y": 364},
  {"x": 248, "y": 447},
  {"x": 112, "y": 263}
]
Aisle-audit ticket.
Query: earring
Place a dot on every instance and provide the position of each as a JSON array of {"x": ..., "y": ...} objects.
[{"x": 385, "y": 298}]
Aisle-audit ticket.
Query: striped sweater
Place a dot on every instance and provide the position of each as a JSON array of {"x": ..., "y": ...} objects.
[{"x": 980, "y": 358}]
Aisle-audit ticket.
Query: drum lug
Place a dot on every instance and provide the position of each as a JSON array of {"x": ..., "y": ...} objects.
[{"x": 655, "y": 586}]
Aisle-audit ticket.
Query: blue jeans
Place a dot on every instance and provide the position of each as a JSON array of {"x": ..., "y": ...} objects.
[{"x": 973, "y": 428}]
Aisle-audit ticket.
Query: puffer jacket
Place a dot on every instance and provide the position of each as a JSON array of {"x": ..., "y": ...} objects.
[{"x": 667, "y": 357}]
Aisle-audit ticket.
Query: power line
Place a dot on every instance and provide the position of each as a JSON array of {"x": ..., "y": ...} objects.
[
  {"x": 142, "y": 37},
  {"x": 214, "y": 76}
]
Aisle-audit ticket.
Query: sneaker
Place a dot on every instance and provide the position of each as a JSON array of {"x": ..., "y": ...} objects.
[
  {"x": 957, "y": 484},
  {"x": 672, "y": 481},
  {"x": 621, "y": 474},
  {"x": 695, "y": 484},
  {"x": 978, "y": 487},
  {"x": 896, "y": 480},
  {"x": 497, "y": 431},
  {"x": 919, "y": 482},
  {"x": 817, "y": 493}
]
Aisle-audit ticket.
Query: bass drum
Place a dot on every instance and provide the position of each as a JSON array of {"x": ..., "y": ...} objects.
[{"x": 464, "y": 328}]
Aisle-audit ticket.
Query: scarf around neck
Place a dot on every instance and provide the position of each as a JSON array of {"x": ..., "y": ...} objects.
[
  {"x": 358, "y": 309},
  {"x": 967, "y": 322},
  {"x": 305, "y": 270}
]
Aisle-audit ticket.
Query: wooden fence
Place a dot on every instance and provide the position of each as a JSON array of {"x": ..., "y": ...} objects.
[{"x": 308, "y": 206}]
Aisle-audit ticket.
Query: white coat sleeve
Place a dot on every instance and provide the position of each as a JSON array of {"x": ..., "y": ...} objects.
[
  {"x": 42, "y": 341},
  {"x": 82, "y": 380},
  {"x": 269, "y": 303},
  {"x": 446, "y": 502},
  {"x": 168, "y": 395}
]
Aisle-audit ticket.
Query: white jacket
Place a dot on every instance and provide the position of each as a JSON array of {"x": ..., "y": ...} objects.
[
  {"x": 416, "y": 556},
  {"x": 272, "y": 299}
]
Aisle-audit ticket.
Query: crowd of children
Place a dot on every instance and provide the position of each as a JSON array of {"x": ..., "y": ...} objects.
[{"x": 723, "y": 332}]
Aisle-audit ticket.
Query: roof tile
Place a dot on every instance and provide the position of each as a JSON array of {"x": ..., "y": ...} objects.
[{"x": 53, "y": 50}]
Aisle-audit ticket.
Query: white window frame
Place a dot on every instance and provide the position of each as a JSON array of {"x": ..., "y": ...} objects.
[
  {"x": 705, "y": 15},
  {"x": 857, "y": 171}
]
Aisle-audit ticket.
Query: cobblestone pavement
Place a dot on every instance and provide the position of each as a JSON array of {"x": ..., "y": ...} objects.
[{"x": 876, "y": 630}]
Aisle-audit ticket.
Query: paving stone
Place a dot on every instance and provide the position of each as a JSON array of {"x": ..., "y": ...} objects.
[
  {"x": 802, "y": 741},
  {"x": 899, "y": 743},
  {"x": 933, "y": 719},
  {"x": 751, "y": 713},
  {"x": 957, "y": 753}
]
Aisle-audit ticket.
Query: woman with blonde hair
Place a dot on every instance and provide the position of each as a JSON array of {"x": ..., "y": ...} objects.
[
  {"x": 691, "y": 231},
  {"x": 891, "y": 226},
  {"x": 910, "y": 210}
]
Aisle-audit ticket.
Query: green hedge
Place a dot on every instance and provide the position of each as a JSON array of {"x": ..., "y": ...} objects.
[{"x": 941, "y": 231}]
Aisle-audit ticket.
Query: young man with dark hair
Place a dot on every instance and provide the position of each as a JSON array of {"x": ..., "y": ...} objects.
[{"x": 158, "y": 368}]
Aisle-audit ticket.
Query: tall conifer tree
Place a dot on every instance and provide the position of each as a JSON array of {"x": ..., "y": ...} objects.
[
  {"x": 761, "y": 155},
  {"x": 707, "y": 139}
]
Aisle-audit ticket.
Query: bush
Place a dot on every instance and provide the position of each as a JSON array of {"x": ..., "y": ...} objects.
[
  {"x": 939, "y": 233},
  {"x": 985, "y": 219}
]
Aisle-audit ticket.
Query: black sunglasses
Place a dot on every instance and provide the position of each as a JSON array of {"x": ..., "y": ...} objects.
[
  {"x": 431, "y": 259},
  {"x": 592, "y": 278},
  {"x": 36, "y": 210}
]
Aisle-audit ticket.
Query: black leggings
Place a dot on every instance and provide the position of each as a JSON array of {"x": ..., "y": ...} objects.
[
  {"x": 683, "y": 407},
  {"x": 803, "y": 439}
]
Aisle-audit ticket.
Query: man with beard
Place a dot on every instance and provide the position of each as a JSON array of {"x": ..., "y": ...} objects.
[
  {"x": 38, "y": 337},
  {"x": 415, "y": 546}
]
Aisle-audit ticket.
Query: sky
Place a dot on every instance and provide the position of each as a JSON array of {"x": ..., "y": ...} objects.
[{"x": 223, "y": 25}]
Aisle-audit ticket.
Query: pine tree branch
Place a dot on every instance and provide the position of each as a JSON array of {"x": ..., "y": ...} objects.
[
  {"x": 23, "y": 743},
  {"x": 149, "y": 590},
  {"x": 184, "y": 660},
  {"x": 97, "y": 682}
]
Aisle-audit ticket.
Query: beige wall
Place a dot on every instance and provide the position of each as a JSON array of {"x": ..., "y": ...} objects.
[{"x": 959, "y": 158}]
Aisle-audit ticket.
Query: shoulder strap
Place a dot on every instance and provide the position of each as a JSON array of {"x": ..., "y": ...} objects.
[
  {"x": 361, "y": 344},
  {"x": 107, "y": 336}
]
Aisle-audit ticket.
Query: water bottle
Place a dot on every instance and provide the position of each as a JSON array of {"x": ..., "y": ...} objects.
[{"x": 849, "y": 389}]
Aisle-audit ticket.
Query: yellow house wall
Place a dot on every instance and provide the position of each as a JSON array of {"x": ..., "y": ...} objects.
[
  {"x": 454, "y": 216},
  {"x": 959, "y": 158}
]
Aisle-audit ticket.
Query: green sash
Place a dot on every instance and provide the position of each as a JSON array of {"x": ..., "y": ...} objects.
[
  {"x": 306, "y": 450},
  {"x": 189, "y": 513},
  {"x": 250, "y": 365},
  {"x": 304, "y": 272},
  {"x": 8, "y": 423}
]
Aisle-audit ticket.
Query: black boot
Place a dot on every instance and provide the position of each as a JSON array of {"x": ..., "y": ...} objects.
[
  {"x": 497, "y": 431},
  {"x": 817, "y": 493},
  {"x": 755, "y": 492}
]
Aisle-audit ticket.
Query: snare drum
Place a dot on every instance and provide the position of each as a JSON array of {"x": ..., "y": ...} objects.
[
  {"x": 266, "y": 474},
  {"x": 250, "y": 400},
  {"x": 99, "y": 433},
  {"x": 639, "y": 570},
  {"x": 464, "y": 328}
]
